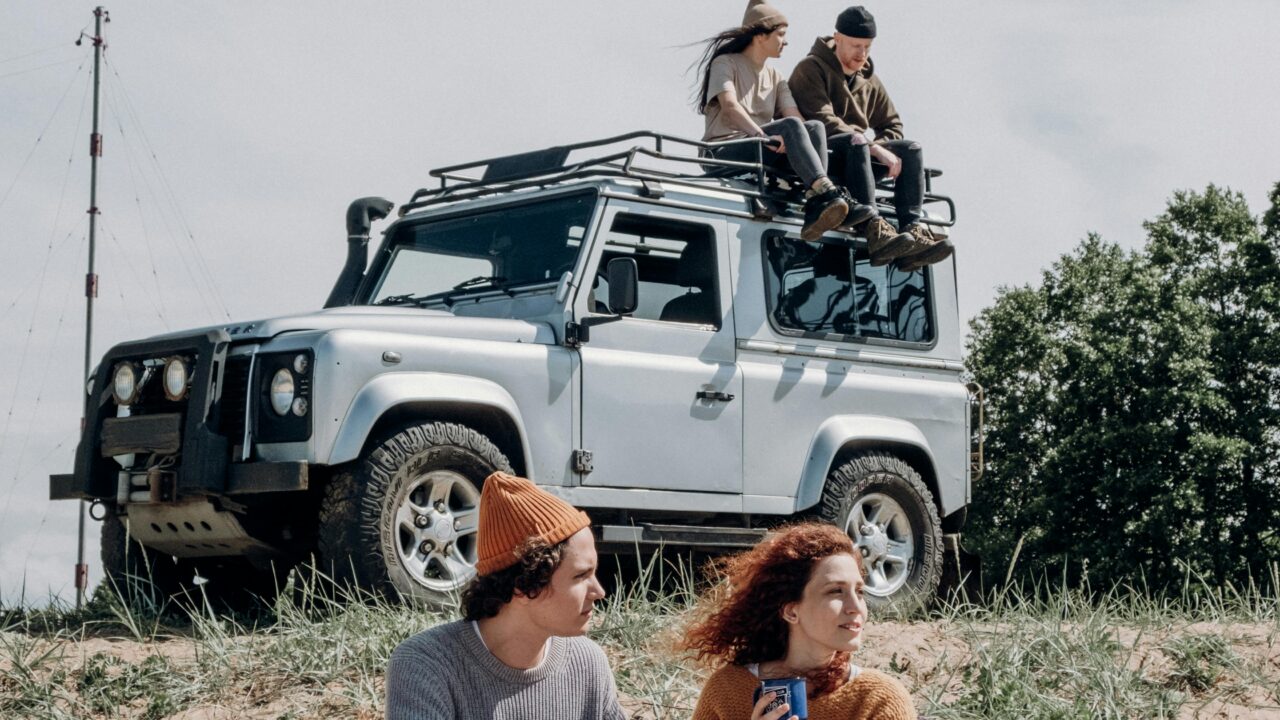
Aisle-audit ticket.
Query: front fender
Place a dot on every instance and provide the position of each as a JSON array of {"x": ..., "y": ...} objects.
[
  {"x": 389, "y": 390},
  {"x": 837, "y": 433}
]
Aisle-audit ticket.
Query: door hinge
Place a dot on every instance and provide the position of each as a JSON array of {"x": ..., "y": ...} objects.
[
  {"x": 576, "y": 333},
  {"x": 582, "y": 463}
]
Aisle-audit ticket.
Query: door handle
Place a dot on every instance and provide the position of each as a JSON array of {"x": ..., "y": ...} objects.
[{"x": 714, "y": 395}]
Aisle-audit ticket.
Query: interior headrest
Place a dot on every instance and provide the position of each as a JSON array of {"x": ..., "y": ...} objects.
[{"x": 697, "y": 266}]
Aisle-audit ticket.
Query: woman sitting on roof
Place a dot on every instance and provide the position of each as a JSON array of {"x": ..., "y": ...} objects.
[{"x": 743, "y": 98}]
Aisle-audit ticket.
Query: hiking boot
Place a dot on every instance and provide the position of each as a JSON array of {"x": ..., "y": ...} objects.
[
  {"x": 922, "y": 232},
  {"x": 858, "y": 213},
  {"x": 823, "y": 212},
  {"x": 937, "y": 250},
  {"x": 885, "y": 244}
]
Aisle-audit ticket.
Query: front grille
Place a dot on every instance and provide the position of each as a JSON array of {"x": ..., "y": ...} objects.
[{"x": 235, "y": 393}]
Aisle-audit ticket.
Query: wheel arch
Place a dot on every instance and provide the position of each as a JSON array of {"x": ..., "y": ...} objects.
[
  {"x": 842, "y": 436},
  {"x": 394, "y": 401}
]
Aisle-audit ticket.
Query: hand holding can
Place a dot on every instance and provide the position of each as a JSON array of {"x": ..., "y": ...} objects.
[{"x": 780, "y": 698}]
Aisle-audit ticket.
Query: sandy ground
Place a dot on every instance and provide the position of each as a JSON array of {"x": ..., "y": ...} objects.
[{"x": 922, "y": 655}]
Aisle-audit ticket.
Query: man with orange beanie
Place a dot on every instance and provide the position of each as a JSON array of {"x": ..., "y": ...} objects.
[{"x": 519, "y": 652}]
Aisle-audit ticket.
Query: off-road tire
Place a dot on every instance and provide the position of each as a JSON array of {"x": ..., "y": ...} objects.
[
  {"x": 883, "y": 475},
  {"x": 358, "y": 530},
  {"x": 147, "y": 579}
]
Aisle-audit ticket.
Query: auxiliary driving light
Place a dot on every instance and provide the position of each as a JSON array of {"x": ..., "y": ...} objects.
[
  {"x": 126, "y": 383},
  {"x": 176, "y": 376}
]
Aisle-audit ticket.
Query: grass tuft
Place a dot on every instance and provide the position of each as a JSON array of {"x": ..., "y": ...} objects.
[{"x": 1200, "y": 662}]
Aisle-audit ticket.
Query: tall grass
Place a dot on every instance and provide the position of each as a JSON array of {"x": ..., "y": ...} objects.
[{"x": 1035, "y": 651}]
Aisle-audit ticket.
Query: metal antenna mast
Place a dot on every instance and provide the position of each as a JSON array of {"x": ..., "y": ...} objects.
[{"x": 100, "y": 15}]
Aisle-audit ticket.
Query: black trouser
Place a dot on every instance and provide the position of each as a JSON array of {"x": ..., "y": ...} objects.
[
  {"x": 806, "y": 148},
  {"x": 851, "y": 166}
]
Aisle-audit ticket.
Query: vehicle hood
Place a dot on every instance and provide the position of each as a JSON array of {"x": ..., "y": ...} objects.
[{"x": 405, "y": 320}]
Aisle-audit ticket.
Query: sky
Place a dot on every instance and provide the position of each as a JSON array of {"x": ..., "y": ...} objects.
[{"x": 236, "y": 133}]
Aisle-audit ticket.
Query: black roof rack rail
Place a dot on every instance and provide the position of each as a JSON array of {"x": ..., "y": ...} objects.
[{"x": 552, "y": 165}]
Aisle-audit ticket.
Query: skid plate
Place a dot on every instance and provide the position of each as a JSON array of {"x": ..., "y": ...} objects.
[{"x": 194, "y": 529}]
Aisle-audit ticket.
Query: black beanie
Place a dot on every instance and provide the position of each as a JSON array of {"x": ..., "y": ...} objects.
[{"x": 856, "y": 22}]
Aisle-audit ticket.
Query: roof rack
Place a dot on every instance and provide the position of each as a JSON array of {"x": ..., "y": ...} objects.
[{"x": 757, "y": 184}]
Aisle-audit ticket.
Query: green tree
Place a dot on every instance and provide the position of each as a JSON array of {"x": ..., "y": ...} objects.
[
  {"x": 1217, "y": 255},
  {"x": 1132, "y": 400}
]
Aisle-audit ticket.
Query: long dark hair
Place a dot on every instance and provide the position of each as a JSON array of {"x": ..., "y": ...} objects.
[
  {"x": 734, "y": 40},
  {"x": 741, "y": 620}
]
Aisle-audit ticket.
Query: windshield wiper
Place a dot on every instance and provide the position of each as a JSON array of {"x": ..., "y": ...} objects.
[
  {"x": 494, "y": 280},
  {"x": 479, "y": 282},
  {"x": 419, "y": 300}
]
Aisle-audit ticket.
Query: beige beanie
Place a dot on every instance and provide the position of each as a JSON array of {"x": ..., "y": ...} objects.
[
  {"x": 514, "y": 511},
  {"x": 760, "y": 12}
]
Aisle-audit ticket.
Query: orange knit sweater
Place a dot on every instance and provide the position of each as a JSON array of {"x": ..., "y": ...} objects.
[{"x": 871, "y": 695}]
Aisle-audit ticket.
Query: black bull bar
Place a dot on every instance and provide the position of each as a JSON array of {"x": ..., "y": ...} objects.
[{"x": 205, "y": 454}]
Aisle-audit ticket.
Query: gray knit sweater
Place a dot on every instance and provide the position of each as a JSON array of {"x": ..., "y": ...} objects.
[{"x": 446, "y": 673}]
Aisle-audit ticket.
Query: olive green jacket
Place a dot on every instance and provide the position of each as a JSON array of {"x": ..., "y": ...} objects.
[{"x": 843, "y": 104}]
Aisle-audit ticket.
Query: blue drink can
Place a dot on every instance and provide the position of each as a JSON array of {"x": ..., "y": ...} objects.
[{"x": 786, "y": 690}]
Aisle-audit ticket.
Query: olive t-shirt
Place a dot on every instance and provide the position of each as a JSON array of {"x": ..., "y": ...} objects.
[{"x": 761, "y": 90}]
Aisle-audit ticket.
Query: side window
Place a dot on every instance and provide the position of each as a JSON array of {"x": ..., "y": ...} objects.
[
  {"x": 832, "y": 289},
  {"x": 676, "y": 263}
]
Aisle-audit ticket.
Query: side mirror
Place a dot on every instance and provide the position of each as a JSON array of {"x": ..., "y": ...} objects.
[{"x": 624, "y": 283}]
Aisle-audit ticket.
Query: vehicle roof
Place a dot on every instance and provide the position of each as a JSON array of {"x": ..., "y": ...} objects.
[
  {"x": 644, "y": 165},
  {"x": 715, "y": 195},
  {"x": 712, "y": 194}
]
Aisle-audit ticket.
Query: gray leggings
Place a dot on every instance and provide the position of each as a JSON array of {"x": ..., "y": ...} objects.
[{"x": 806, "y": 148}]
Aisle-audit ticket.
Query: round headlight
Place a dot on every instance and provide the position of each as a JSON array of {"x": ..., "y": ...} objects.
[
  {"x": 176, "y": 376},
  {"x": 124, "y": 382},
  {"x": 282, "y": 391},
  {"x": 300, "y": 406},
  {"x": 300, "y": 364}
]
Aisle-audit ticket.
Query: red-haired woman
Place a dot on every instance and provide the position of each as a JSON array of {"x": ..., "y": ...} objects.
[{"x": 792, "y": 607}]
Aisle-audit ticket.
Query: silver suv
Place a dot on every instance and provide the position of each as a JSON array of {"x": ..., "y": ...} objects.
[{"x": 642, "y": 332}]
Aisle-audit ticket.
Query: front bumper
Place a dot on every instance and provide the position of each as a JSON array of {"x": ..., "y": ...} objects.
[
  {"x": 242, "y": 479},
  {"x": 198, "y": 433}
]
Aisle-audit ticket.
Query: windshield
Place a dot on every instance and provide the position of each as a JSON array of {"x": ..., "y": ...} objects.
[{"x": 505, "y": 249}]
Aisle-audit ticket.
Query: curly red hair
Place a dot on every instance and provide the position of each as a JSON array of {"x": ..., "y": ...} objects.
[{"x": 741, "y": 621}]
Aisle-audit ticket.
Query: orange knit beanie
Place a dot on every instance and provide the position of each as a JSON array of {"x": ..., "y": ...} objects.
[{"x": 513, "y": 511}]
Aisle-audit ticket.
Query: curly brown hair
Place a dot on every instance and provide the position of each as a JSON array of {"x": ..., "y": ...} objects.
[
  {"x": 741, "y": 621},
  {"x": 531, "y": 574}
]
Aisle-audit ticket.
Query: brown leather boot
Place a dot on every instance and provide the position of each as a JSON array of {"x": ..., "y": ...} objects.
[
  {"x": 885, "y": 244},
  {"x": 937, "y": 250}
]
